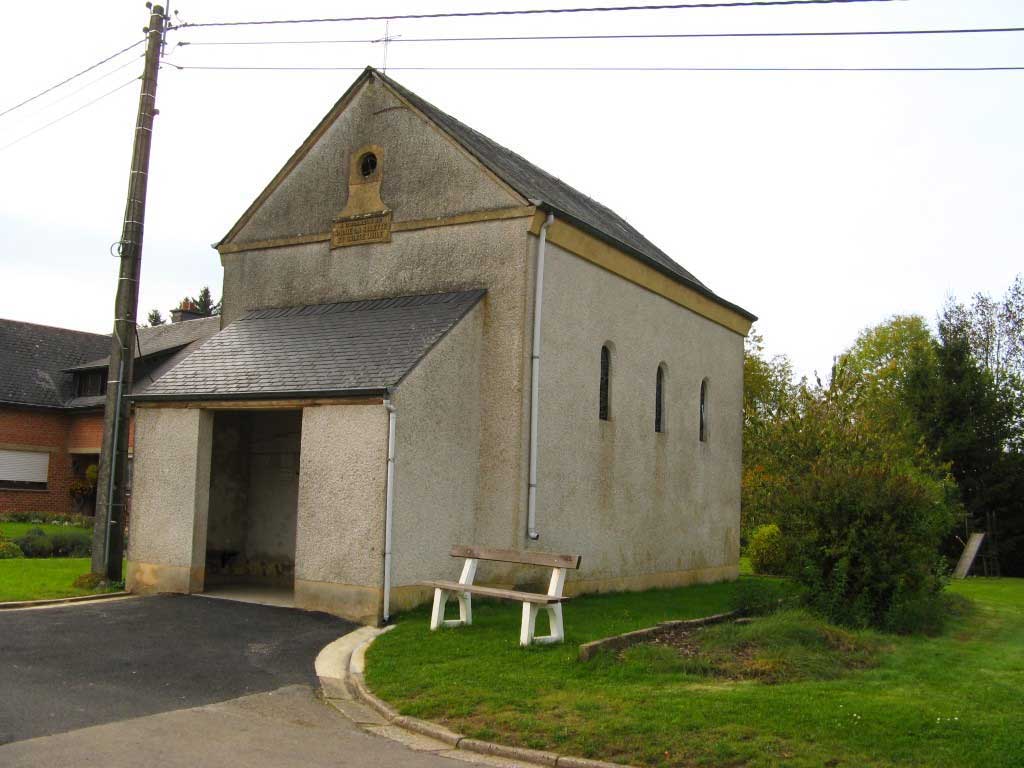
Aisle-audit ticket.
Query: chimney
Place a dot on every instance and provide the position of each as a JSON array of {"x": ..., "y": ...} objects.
[{"x": 187, "y": 311}]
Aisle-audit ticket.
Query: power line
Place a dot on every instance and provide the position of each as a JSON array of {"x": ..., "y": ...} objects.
[
  {"x": 651, "y": 36},
  {"x": 524, "y": 12},
  {"x": 69, "y": 114},
  {"x": 90, "y": 84},
  {"x": 606, "y": 69},
  {"x": 69, "y": 79}
]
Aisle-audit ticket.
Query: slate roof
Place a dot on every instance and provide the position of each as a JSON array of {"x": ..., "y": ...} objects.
[
  {"x": 33, "y": 359},
  {"x": 539, "y": 186},
  {"x": 354, "y": 347},
  {"x": 158, "y": 339}
]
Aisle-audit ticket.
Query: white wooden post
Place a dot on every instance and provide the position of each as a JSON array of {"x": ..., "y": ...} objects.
[
  {"x": 437, "y": 619},
  {"x": 437, "y": 613},
  {"x": 526, "y": 632},
  {"x": 529, "y": 623},
  {"x": 466, "y": 599}
]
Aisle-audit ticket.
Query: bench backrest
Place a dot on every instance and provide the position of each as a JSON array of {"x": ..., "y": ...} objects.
[{"x": 547, "y": 559}]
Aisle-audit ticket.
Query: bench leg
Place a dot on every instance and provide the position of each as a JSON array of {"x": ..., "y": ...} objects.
[
  {"x": 529, "y": 623},
  {"x": 437, "y": 613},
  {"x": 555, "y": 619},
  {"x": 465, "y": 608}
]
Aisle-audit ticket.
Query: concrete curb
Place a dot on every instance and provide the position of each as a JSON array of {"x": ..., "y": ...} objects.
[
  {"x": 618, "y": 642},
  {"x": 340, "y": 667},
  {"x": 61, "y": 600}
]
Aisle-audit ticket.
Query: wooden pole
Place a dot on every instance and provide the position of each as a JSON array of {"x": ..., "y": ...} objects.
[{"x": 108, "y": 531}]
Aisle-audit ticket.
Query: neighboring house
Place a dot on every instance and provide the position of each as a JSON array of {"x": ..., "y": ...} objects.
[
  {"x": 52, "y": 391},
  {"x": 384, "y": 282}
]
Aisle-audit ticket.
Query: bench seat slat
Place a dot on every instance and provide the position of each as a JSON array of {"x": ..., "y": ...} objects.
[
  {"x": 549, "y": 559},
  {"x": 506, "y": 594}
]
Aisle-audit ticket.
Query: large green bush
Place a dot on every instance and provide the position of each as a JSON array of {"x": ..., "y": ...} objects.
[
  {"x": 767, "y": 550},
  {"x": 865, "y": 545},
  {"x": 70, "y": 543},
  {"x": 863, "y": 504}
]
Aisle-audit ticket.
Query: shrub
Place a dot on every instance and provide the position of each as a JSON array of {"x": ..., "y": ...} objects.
[
  {"x": 767, "y": 550},
  {"x": 35, "y": 543},
  {"x": 10, "y": 550},
  {"x": 757, "y": 597},
  {"x": 70, "y": 543},
  {"x": 866, "y": 545},
  {"x": 925, "y": 614}
]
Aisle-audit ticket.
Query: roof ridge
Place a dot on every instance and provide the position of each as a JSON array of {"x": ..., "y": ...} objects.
[{"x": 54, "y": 327}]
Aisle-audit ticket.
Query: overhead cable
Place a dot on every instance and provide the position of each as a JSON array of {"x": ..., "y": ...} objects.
[
  {"x": 640, "y": 36},
  {"x": 67, "y": 80},
  {"x": 524, "y": 12},
  {"x": 69, "y": 114},
  {"x": 604, "y": 69},
  {"x": 91, "y": 83}
]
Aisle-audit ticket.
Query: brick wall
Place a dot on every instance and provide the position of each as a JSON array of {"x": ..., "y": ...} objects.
[
  {"x": 63, "y": 433},
  {"x": 24, "y": 429},
  {"x": 85, "y": 432}
]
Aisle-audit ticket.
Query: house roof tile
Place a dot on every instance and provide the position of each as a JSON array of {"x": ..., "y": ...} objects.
[
  {"x": 343, "y": 348},
  {"x": 33, "y": 359}
]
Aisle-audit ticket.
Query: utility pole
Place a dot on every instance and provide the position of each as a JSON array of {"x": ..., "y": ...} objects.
[{"x": 108, "y": 531}]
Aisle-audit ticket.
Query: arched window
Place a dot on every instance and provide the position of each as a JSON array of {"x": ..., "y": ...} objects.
[
  {"x": 604, "y": 409},
  {"x": 659, "y": 399},
  {"x": 704, "y": 411}
]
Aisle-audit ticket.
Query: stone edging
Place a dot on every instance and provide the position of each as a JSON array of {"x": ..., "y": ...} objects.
[
  {"x": 340, "y": 668},
  {"x": 618, "y": 642},
  {"x": 61, "y": 600}
]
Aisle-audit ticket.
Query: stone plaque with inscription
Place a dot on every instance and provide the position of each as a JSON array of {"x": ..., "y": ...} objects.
[{"x": 366, "y": 228}]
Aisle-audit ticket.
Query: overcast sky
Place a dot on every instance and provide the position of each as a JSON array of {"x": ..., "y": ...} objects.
[{"x": 822, "y": 202}]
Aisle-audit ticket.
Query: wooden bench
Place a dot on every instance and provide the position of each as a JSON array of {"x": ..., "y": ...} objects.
[{"x": 464, "y": 589}]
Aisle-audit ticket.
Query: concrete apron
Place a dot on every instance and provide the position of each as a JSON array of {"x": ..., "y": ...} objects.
[{"x": 340, "y": 667}]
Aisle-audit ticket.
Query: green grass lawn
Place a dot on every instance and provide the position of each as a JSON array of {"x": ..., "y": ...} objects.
[
  {"x": 10, "y": 530},
  {"x": 954, "y": 700},
  {"x": 42, "y": 578}
]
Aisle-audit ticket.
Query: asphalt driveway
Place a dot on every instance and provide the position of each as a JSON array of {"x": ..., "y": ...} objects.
[{"x": 72, "y": 667}]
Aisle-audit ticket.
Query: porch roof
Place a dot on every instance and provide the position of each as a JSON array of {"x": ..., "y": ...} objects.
[{"x": 347, "y": 348}]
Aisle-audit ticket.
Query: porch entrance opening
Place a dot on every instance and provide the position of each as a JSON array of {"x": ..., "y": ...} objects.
[{"x": 254, "y": 489}]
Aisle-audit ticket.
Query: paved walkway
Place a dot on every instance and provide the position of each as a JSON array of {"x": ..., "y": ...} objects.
[
  {"x": 177, "y": 681},
  {"x": 286, "y": 728}
]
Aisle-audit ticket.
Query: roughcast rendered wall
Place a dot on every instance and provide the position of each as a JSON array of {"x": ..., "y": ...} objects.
[
  {"x": 438, "y": 460},
  {"x": 643, "y": 508},
  {"x": 170, "y": 499},
  {"x": 340, "y": 527}
]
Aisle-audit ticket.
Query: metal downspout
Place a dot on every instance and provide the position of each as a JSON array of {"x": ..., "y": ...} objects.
[
  {"x": 531, "y": 516},
  {"x": 389, "y": 505}
]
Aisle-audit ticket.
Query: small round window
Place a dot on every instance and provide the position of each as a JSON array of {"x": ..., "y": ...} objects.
[{"x": 367, "y": 165}]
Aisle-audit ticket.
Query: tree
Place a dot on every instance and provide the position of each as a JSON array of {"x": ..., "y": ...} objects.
[
  {"x": 204, "y": 303},
  {"x": 769, "y": 397},
  {"x": 971, "y": 421},
  {"x": 876, "y": 371},
  {"x": 155, "y": 318},
  {"x": 994, "y": 329}
]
